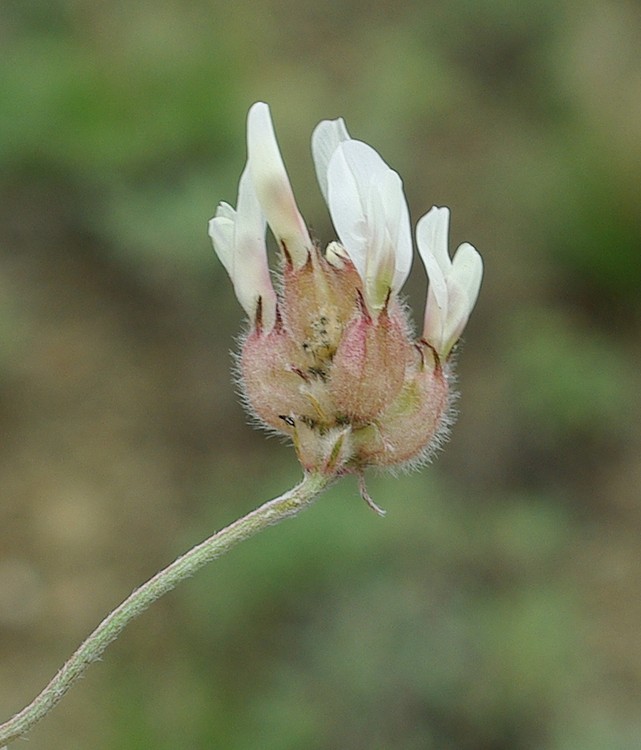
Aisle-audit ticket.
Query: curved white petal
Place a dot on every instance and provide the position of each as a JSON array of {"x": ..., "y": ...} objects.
[
  {"x": 432, "y": 233},
  {"x": 225, "y": 211},
  {"x": 250, "y": 274},
  {"x": 457, "y": 315},
  {"x": 379, "y": 265},
  {"x": 273, "y": 187},
  {"x": 370, "y": 213},
  {"x": 221, "y": 231},
  {"x": 428, "y": 235},
  {"x": 347, "y": 203},
  {"x": 397, "y": 223},
  {"x": 239, "y": 241},
  {"x": 326, "y": 138},
  {"x": 436, "y": 306},
  {"x": 467, "y": 268}
]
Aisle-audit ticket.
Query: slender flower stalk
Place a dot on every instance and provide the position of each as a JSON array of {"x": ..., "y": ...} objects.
[{"x": 268, "y": 514}]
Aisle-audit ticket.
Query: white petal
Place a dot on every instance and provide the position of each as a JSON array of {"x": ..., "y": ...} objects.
[
  {"x": 347, "y": 202},
  {"x": 379, "y": 269},
  {"x": 436, "y": 306},
  {"x": 326, "y": 137},
  {"x": 239, "y": 241},
  {"x": 272, "y": 185},
  {"x": 428, "y": 233},
  {"x": 432, "y": 236},
  {"x": 363, "y": 162},
  {"x": 221, "y": 231},
  {"x": 457, "y": 315},
  {"x": 467, "y": 269},
  {"x": 225, "y": 210},
  {"x": 250, "y": 274},
  {"x": 368, "y": 208},
  {"x": 397, "y": 223},
  {"x": 250, "y": 222}
]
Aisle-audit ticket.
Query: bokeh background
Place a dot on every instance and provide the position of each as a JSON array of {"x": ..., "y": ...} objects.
[{"x": 497, "y": 606}]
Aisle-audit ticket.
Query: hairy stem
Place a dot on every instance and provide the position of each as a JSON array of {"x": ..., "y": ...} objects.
[{"x": 271, "y": 512}]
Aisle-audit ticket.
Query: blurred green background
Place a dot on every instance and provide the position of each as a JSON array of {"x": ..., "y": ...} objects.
[{"x": 497, "y": 606}]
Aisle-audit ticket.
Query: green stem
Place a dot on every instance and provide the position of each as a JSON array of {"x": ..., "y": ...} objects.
[{"x": 271, "y": 512}]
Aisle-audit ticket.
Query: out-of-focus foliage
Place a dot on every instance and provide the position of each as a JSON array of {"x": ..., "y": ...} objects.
[{"x": 496, "y": 607}]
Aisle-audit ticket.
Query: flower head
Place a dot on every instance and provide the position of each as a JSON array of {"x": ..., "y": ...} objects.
[{"x": 330, "y": 360}]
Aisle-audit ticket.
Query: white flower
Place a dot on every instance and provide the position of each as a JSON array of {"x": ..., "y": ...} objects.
[
  {"x": 273, "y": 187},
  {"x": 239, "y": 241},
  {"x": 453, "y": 284},
  {"x": 366, "y": 201}
]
